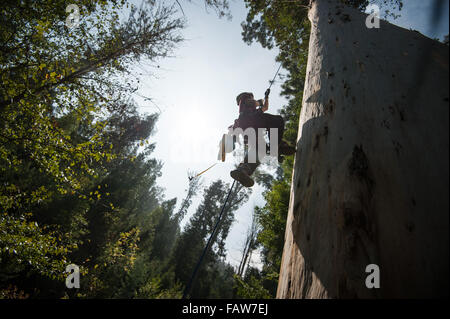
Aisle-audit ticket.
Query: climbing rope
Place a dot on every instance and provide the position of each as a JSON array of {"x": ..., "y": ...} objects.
[
  {"x": 273, "y": 80},
  {"x": 188, "y": 287}
]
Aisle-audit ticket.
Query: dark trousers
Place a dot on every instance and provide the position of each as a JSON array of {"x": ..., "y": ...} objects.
[{"x": 259, "y": 119}]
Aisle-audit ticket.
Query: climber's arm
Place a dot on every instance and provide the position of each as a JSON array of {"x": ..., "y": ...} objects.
[{"x": 266, "y": 104}]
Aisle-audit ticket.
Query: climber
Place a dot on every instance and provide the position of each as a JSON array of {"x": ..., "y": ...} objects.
[{"x": 252, "y": 117}]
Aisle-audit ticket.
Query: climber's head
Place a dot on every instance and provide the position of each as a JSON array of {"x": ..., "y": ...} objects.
[
  {"x": 246, "y": 100},
  {"x": 244, "y": 96}
]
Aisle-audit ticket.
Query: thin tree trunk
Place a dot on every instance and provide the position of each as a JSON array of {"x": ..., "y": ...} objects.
[
  {"x": 252, "y": 232},
  {"x": 247, "y": 253},
  {"x": 370, "y": 182}
]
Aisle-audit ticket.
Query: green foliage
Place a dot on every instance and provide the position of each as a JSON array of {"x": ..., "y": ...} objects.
[
  {"x": 251, "y": 288},
  {"x": 11, "y": 292},
  {"x": 76, "y": 181},
  {"x": 24, "y": 245},
  {"x": 272, "y": 218},
  {"x": 152, "y": 290}
]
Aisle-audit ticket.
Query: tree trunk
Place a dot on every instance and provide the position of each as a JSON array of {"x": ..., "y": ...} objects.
[{"x": 370, "y": 181}]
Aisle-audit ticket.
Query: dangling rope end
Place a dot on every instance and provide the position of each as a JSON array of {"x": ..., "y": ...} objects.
[{"x": 192, "y": 175}]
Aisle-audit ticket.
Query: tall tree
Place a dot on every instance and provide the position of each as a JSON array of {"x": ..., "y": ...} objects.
[
  {"x": 250, "y": 245},
  {"x": 370, "y": 183}
]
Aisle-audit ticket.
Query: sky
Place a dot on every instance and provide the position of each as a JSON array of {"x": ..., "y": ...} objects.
[{"x": 195, "y": 92}]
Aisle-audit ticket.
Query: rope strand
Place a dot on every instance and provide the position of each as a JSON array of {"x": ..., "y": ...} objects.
[
  {"x": 273, "y": 80},
  {"x": 188, "y": 287}
]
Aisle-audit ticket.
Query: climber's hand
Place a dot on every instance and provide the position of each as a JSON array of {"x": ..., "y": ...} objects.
[{"x": 266, "y": 94}]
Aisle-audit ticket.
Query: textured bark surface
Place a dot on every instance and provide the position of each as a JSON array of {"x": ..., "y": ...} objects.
[{"x": 370, "y": 182}]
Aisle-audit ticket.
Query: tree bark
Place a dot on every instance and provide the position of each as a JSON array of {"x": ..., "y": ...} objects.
[{"x": 370, "y": 180}]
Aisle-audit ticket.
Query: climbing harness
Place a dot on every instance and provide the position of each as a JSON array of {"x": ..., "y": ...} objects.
[{"x": 191, "y": 280}]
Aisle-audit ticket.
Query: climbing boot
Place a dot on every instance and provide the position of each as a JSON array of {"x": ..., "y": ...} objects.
[
  {"x": 242, "y": 177},
  {"x": 285, "y": 149}
]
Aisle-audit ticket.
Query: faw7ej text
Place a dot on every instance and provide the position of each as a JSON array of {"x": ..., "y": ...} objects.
[{"x": 261, "y": 308}]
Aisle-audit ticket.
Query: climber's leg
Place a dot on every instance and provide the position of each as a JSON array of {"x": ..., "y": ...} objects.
[
  {"x": 242, "y": 174},
  {"x": 244, "y": 171},
  {"x": 276, "y": 121}
]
